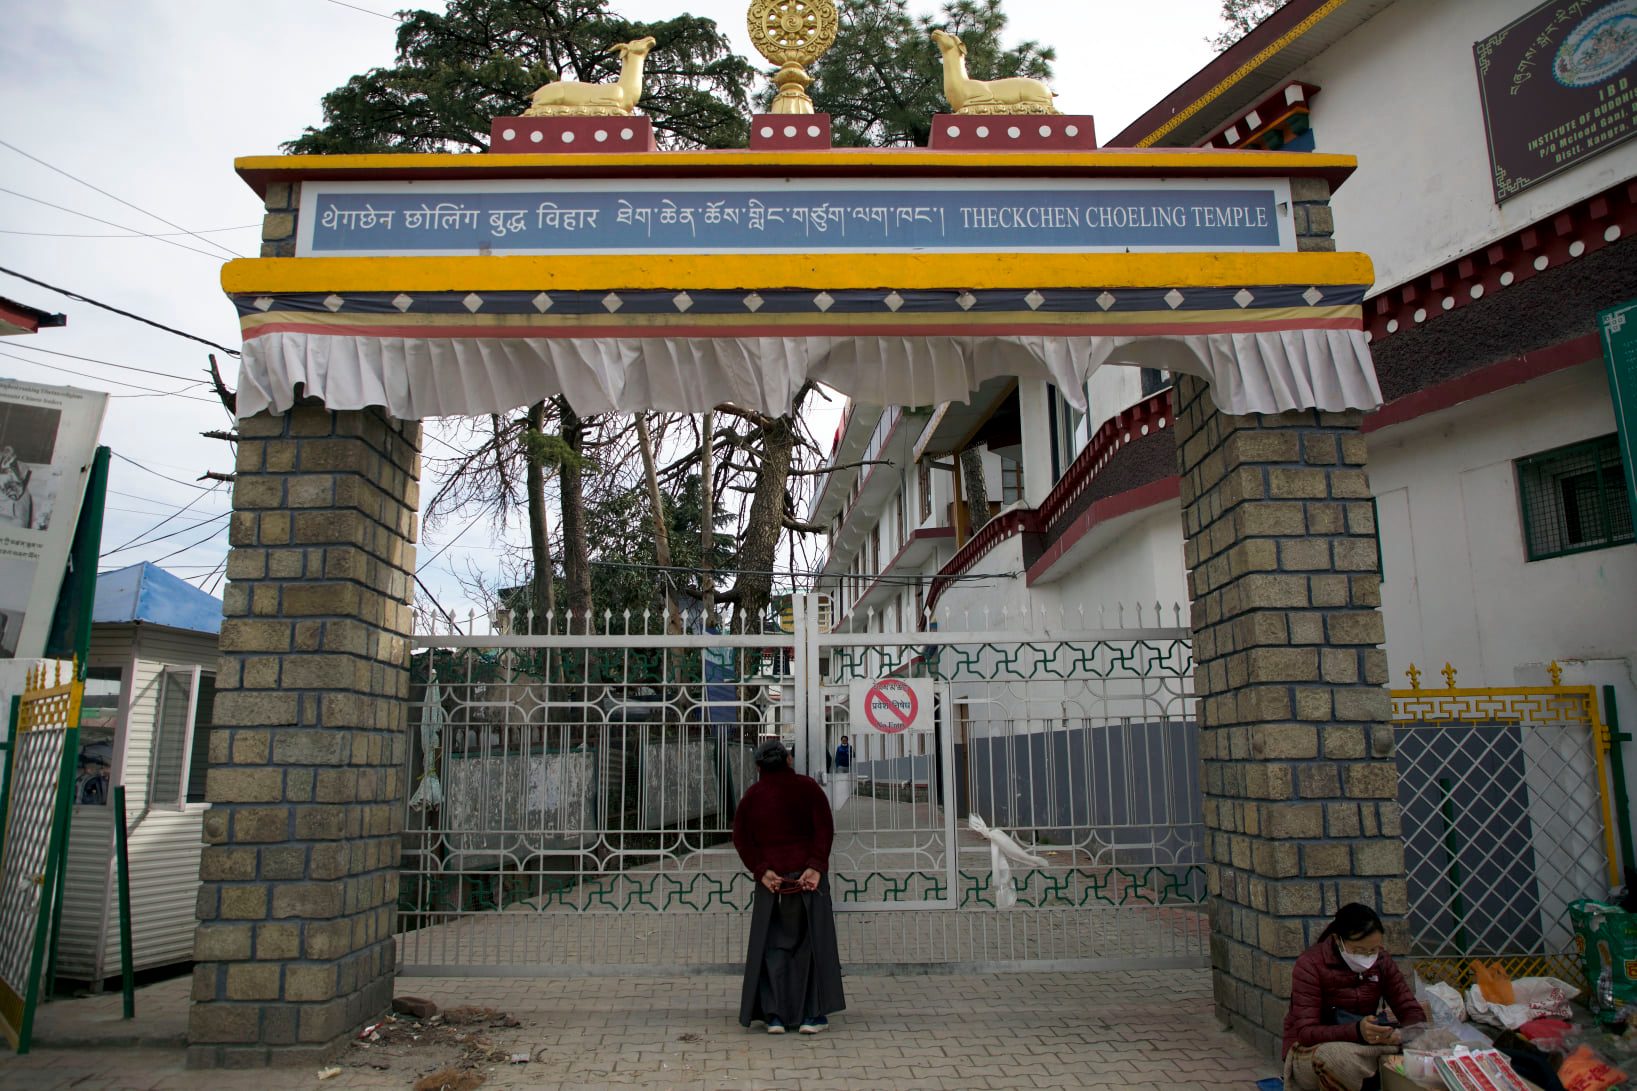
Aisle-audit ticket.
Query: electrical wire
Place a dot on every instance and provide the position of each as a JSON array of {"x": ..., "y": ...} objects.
[
  {"x": 152, "y": 391},
  {"x": 424, "y": 564},
  {"x": 191, "y": 545},
  {"x": 110, "y": 223},
  {"x": 114, "y": 197},
  {"x": 167, "y": 477},
  {"x": 163, "y": 507},
  {"x": 179, "y": 511},
  {"x": 131, "y": 235},
  {"x": 166, "y": 537},
  {"x": 116, "y": 310},
  {"x": 110, "y": 363},
  {"x": 366, "y": 11},
  {"x": 144, "y": 511}
]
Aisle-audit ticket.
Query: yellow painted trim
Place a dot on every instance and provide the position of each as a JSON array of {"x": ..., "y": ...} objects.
[
  {"x": 617, "y": 322},
  {"x": 250, "y": 276},
  {"x": 1240, "y": 73},
  {"x": 1110, "y": 160}
]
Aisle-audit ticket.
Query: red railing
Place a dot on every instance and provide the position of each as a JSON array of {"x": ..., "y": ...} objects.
[{"x": 1127, "y": 426}]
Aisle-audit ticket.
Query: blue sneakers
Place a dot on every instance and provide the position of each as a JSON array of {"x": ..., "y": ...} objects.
[
  {"x": 775, "y": 1027},
  {"x": 814, "y": 1025}
]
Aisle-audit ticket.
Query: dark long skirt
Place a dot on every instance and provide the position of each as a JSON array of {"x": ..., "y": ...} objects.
[{"x": 792, "y": 969}]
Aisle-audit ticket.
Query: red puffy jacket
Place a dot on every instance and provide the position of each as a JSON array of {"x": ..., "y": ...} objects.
[{"x": 1322, "y": 984}]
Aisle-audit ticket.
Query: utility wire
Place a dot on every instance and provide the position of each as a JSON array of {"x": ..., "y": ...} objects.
[
  {"x": 164, "y": 537},
  {"x": 110, "y": 363},
  {"x": 422, "y": 567},
  {"x": 129, "y": 235},
  {"x": 179, "y": 511},
  {"x": 113, "y": 197},
  {"x": 167, "y": 477},
  {"x": 189, "y": 546},
  {"x": 116, "y": 310},
  {"x": 110, "y": 223},
  {"x": 366, "y": 11},
  {"x": 153, "y": 392}
]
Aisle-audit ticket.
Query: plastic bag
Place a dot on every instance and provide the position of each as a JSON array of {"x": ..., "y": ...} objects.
[
  {"x": 1584, "y": 1070},
  {"x": 1494, "y": 984},
  {"x": 1535, "y": 998},
  {"x": 1003, "y": 853},
  {"x": 1441, "y": 1002}
]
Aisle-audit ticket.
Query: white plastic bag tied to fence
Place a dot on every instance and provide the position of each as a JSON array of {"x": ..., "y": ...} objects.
[
  {"x": 1003, "y": 853},
  {"x": 429, "y": 792}
]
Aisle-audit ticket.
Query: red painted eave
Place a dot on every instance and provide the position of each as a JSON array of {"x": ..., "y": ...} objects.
[
  {"x": 16, "y": 318},
  {"x": 1239, "y": 75}
]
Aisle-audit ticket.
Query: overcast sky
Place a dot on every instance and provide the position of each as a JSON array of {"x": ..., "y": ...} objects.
[{"x": 151, "y": 100}]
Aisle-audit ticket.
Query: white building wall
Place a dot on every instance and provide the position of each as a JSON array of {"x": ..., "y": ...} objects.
[
  {"x": 1143, "y": 565},
  {"x": 1459, "y": 587},
  {"x": 1401, "y": 93}
]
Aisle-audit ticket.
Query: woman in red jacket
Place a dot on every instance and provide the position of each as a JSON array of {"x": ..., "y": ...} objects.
[
  {"x": 783, "y": 829},
  {"x": 1335, "y": 1029}
]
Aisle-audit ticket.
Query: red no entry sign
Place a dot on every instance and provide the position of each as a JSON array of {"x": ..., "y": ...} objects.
[{"x": 891, "y": 706}]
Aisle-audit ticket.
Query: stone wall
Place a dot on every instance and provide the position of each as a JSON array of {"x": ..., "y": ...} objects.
[
  {"x": 299, "y": 873},
  {"x": 1301, "y": 789}
]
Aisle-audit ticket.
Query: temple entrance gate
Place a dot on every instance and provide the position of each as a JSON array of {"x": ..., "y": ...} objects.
[
  {"x": 399, "y": 287},
  {"x": 586, "y": 782}
]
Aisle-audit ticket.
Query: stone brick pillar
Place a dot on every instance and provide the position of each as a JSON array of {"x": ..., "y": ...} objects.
[
  {"x": 299, "y": 875},
  {"x": 1301, "y": 792}
]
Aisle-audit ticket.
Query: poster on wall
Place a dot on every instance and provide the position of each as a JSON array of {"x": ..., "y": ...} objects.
[
  {"x": 1557, "y": 86},
  {"x": 48, "y": 437}
]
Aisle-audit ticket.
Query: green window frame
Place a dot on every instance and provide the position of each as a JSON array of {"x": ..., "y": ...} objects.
[{"x": 1573, "y": 499}]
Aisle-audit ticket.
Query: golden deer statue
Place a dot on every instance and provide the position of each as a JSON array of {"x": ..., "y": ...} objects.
[
  {"x": 571, "y": 98},
  {"x": 969, "y": 96}
]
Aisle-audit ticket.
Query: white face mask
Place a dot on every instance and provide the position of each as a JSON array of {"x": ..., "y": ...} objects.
[{"x": 1359, "y": 963}]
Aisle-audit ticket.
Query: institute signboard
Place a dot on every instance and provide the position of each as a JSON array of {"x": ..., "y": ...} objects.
[
  {"x": 1557, "y": 86},
  {"x": 793, "y": 216}
]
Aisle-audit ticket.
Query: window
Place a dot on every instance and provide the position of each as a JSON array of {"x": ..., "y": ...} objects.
[
  {"x": 873, "y": 560},
  {"x": 923, "y": 487},
  {"x": 99, "y": 726},
  {"x": 1011, "y": 481},
  {"x": 1154, "y": 380},
  {"x": 1064, "y": 426},
  {"x": 901, "y": 507},
  {"x": 1574, "y": 498},
  {"x": 181, "y": 741}
]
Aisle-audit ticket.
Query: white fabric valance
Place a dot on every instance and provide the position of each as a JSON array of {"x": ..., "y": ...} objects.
[{"x": 418, "y": 377}]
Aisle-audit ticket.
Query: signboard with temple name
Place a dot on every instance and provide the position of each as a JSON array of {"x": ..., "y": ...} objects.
[
  {"x": 681, "y": 216},
  {"x": 1558, "y": 86}
]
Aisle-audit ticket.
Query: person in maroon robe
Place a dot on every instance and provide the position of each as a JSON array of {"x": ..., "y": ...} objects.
[{"x": 783, "y": 829}]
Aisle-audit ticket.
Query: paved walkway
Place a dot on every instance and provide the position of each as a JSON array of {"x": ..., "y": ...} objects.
[{"x": 1143, "y": 1030}]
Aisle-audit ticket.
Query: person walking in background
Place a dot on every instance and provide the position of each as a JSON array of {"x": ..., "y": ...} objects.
[
  {"x": 782, "y": 829},
  {"x": 844, "y": 756}
]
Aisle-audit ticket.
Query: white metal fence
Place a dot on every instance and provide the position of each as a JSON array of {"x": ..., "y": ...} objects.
[{"x": 589, "y": 774}]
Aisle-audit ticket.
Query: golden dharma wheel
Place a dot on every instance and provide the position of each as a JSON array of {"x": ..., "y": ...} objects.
[{"x": 792, "y": 31}]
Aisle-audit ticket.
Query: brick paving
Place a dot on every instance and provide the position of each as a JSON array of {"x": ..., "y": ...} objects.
[{"x": 1141, "y": 1030}]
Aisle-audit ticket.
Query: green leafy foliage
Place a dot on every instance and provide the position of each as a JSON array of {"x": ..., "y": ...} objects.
[
  {"x": 1242, "y": 17},
  {"x": 884, "y": 80},
  {"x": 482, "y": 59}
]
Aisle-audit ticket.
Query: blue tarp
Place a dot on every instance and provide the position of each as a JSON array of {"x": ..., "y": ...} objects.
[{"x": 148, "y": 594}]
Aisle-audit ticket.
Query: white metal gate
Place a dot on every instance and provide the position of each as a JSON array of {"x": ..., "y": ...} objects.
[{"x": 588, "y": 773}]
